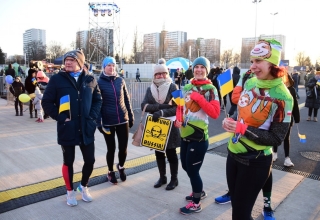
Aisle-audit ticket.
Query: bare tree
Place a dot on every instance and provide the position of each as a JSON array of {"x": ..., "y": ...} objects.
[
  {"x": 2, "y": 57},
  {"x": 35, "y": 50},
  {"x": 236, "y": 59},
  {"x": 307, "y": 62},
  {"x": 55, "y": 50},
  {"x": 137, "y": 50},
  {"x": 245, "y": 56},
  {"x": 300, "y": 58},
  {"x": 226, "y": 58}
]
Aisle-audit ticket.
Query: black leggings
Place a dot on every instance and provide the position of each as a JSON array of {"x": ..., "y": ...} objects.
[
  {"x": 16, "y": 103},
  {"x": 122, "y": 132},
  {"x": 171, "y": 155},
  {"x": 68, "y": 159},
  {"x": 192, "y": 155},
  {"x": 245, "y": 183},
  {"x": 286, "y": 144},
  {"x": 315, "y": 112}
]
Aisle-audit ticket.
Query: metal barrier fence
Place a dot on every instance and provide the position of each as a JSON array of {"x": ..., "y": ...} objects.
[{"x": 137, "y": 91}]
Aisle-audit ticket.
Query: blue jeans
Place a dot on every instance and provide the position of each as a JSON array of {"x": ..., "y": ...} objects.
[{"x": 192, "y": 155}]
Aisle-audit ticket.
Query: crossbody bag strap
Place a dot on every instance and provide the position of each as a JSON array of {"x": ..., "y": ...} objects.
[{"x": 143, "y": 111}]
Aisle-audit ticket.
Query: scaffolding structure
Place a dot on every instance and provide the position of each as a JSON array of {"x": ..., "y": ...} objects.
[{"x": 104, "y": 32}]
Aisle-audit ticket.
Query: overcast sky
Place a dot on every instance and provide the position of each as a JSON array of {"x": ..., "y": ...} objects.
[{"x": 227, "y": 20}]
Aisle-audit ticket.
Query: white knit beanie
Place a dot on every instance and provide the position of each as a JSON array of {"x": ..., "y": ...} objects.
[{"x": 160, "y": 67}]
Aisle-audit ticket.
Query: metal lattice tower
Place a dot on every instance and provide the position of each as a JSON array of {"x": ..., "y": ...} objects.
[{"x": 104, "y": 31}]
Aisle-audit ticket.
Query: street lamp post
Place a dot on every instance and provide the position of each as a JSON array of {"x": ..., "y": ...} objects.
[
  {"x": 273, "y": 23},
  {"x": 255, "y": 29}
]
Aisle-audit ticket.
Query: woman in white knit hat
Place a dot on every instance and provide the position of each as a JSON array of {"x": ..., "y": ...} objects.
[{"x": 158, "y": 97}]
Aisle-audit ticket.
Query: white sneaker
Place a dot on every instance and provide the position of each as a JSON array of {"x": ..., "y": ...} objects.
[
  {"x": 71, "y": 198},
  {"x": 274, "y": 156},
  {"x": 85, "y": 193},
  {"x": 288, "y": 163}
]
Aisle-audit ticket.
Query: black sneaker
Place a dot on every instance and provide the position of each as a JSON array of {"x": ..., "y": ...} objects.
[
  {"x": 190, "y": 197},
  {"x": 112, "y": 178},
  {"x": 123, "y": 175}
]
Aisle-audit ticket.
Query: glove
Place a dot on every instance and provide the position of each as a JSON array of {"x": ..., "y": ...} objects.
[
  {"x": 100, "y": 129},
  {"x": 156, "y": 116},
  {"x": 164, "y": 106},
  {"x": 130, "y": 124},
  {"x": 196, "y": 97},
  {"x": 241, "y": 128}
]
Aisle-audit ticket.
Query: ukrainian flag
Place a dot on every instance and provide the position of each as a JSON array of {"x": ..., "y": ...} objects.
[
  {"x": 225, "y": 82},
  {"x": 303, "y": 138},
  {"x": 34, "y": 81},
  {"x": 64, "y": 103},
  {"x": 178, "y": 97}
]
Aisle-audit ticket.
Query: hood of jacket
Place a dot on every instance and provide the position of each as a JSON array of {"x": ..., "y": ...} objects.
[{"x": 236, "y": 70}]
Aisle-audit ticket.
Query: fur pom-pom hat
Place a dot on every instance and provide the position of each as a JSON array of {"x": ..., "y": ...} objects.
[
  {"x": 201, "y": 61},
  {"x": 269, "y": 50},
  {"x": 160, "y": 67}
]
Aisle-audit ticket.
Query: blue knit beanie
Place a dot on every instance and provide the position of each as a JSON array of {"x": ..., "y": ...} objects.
[
  {"x": 108, "y": 60},
  {"x": 202, "y": 61}
]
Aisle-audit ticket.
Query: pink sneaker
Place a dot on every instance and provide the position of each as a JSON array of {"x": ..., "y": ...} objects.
[
  {"x": 40, "y": 120},
  {"x": 37, "y": 120}
]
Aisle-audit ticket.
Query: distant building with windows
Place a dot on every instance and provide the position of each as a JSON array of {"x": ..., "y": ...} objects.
[
  {"x": 163, "y": 45},
  {"x": 249, "y": 43},
  {"x": 34, "y": 35}
]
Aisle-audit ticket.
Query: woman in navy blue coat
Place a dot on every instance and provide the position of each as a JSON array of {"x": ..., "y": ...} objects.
[{"x": 116, "y": 116}]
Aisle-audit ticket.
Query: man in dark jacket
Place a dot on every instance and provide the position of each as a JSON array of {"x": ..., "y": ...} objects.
[
  {"x": 235, "y": 79},
  {"x": 296, "y": 80},
  {"x": 73, "y": 99},
  {"x": 189, "y": 74},
  {"x": 10, "y": 71}
]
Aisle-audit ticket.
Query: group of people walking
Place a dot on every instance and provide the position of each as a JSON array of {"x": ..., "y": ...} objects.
[{"x": 264, "y": 104}]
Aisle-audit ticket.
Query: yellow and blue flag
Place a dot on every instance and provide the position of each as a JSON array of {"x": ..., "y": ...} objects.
[
  {"x": 302, "y": 137},
  {"x": 34, "y": 81},
  {"x": 225, "y": 82},
  {"x": 64, "y": 103},
  {"x": 178, "y": 97}
]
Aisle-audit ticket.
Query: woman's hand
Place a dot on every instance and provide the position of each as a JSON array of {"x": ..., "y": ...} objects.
[
  {"x": 229, "y": 125},
  {"x": 178, "y": 124}
]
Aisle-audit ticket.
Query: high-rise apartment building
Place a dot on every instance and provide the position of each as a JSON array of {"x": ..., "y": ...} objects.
[
  {"x": 82, "y": 39},
  {"x": 34, "y": 35},
  {"x": 248, "y": 44},
  {"x": 163, "y": 45}
]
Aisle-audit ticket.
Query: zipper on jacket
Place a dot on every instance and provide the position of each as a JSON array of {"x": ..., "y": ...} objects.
[{"x": 115, "y": 95}]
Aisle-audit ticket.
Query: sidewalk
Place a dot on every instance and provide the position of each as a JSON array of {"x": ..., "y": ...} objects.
[{"x": 30, "y": 157}]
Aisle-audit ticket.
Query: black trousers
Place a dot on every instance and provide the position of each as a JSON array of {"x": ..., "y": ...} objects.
[
  {"x": 245, "y": 182},
  {"x": 16, "y": 103},
  {"x": 68, "y": 159},
  {"x": 122, "y": 132}
]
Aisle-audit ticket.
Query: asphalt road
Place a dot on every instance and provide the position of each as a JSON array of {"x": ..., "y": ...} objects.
[{"x": 305, "y": 156}]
